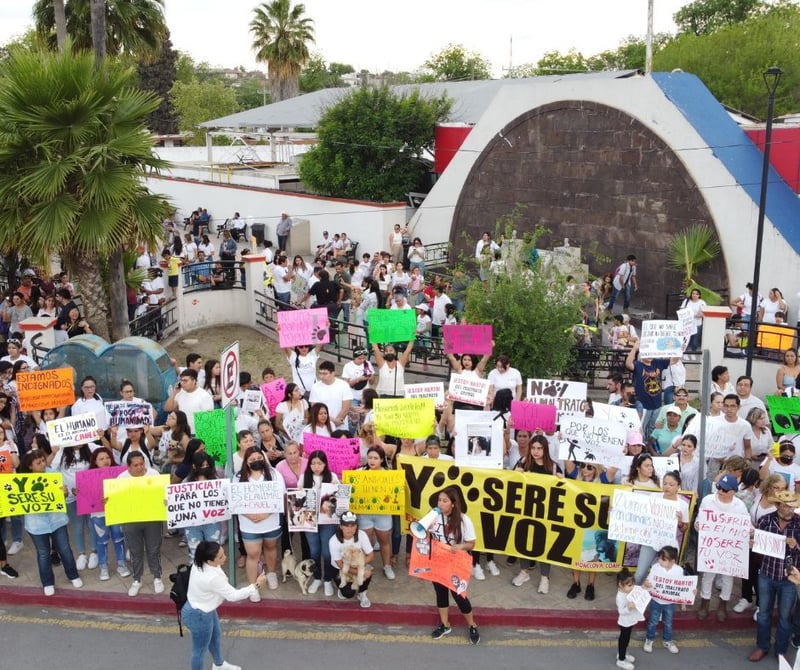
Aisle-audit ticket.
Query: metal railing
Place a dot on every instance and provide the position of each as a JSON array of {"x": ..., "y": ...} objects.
[
  {"x": 157, "y": 322},
  {"x": 196, "y": 277},
  {"x": 772, "y": 339},
  {"x": 673, "y": 301}
]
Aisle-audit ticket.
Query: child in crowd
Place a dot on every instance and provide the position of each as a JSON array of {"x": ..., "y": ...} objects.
[
  {"x": 661, "y": 609},
  {"x": 629, "y": 616}
]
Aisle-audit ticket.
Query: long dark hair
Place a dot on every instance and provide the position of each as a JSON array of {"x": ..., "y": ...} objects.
[
  {"x": 453, "y": 526},
  {"x": 202, "y": 466},
  {"x": 100, "y": 450},
  {"x": 244, "y": 473},
  {"x": 211, "y": 383},
  {"x": 378, "y": 450},
  {"x": 182, "y": 428},
  {"x": 547, "y": 462},
  {"x": 314, "y": 418},
  {"x": 205, "y": 552},
  {"x": 308, "y": 475},
  {"x": 633, "y": 475},
  {"x": 68, "y": 457}
]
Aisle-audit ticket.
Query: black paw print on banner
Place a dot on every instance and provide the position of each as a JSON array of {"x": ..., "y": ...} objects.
[
  {"x": 553, "y": 389},
  {"x": 8, "y": 487},
  {"x": 465, "y": 480},
  {"x": 39, "y": 484},
  {"x": 60, "y": 507},
  {"x": 319, "y": 333}
]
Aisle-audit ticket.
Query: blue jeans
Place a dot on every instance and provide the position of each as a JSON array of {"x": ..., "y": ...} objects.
[
  {"x": 647, "y": 556},
  {"x": 786, "y": 594},
  {"x": 17, "y": 526},
  {"x": 283, "y": 300},
  {"x": 60, "y": 542},
  {"x": 320, "y": 551},
  {"x": 102, "y": 533},
  {"x": 626, "y": 292},
  {"x": 663, "y": 612},
  {"x": 206, "y": 634},
  {"x": 210, "y": 532},
  {"x": 78, "y": 523}
]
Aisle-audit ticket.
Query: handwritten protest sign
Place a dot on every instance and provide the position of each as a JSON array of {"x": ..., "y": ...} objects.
[
  {"x": 135, "y": 499},
  {"x": 593, "y": 439},
  {"x": 43, "y": 389},
  {"x": 391, "y": 325},
  {"x": 470, "y": 390},
  {"x": 376, "y": 491},
  {"x": 639, "y": 597},
  {"x": 435, "y": 561},
  {"x": 197, "y": 503},
  {"x": 90, "y": 487},
  {"x": 479, "y": 439},
  {"x": 404, "y": 417},
  {"x": 256, "y": 497},
  {"x": 342, "y": 454},
  {"x": 303, "y": 326},
  {"x": 723, "y": 439},
  {"x": 532, "y": 416},
  {"x": 129, "y": 414},
  {"x": 678, "y": 590},
  {"x": 769, "y": 544},
  {"x": 433, "y": 390},
  {"x": 31, "y": 493},
  {"x": 661, "y": 339},
  {"x": 785, "y": 414},
  {"x": 274, "y": 392},
  {"x": 334, "y": 500},
  {"x": 252, "y": 400},
  {"x": 723, "y": 542},
  {"x": 467, "y": 339},
  {"x": 210, "y": 427},
  {"x": 302, "y": 509},
  {"x": 686, "y": 319},
  {"x": 72, "y": 430},
  {"x": 644, "y": 519},
  {"x": 6, "y": 462},
  {"x": 624, "y": 415},
  {"x": 567, "y": 396}
]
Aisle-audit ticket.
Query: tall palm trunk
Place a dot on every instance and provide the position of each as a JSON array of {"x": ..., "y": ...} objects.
[
  {"x": 99, "y": 29},
  {"x": 61, "y": 23},
  {"x": 85, "y": 268}
]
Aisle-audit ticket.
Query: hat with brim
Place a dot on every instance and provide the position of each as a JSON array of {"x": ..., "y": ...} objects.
[{"x": 784, "y": 498}]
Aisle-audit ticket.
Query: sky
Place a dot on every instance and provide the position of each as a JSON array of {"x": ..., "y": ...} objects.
[{"x": 377, "y": 35}]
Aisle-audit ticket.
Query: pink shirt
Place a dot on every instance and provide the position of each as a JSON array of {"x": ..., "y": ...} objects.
[{"x": 288, "y": 475}]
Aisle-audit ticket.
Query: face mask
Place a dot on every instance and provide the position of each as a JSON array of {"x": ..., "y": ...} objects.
[
  {"x": 786, "y": 460},
  {"x": 257, "y": 465},
  {"x": 389, "y": 357}
]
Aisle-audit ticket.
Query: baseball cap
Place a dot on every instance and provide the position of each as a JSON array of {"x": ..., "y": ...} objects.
[
  {"x": 348, "y": 518},
  {"x": 360, "y": 351},
  {"x": 432, "y": 439},
  {"x": 634, "y": 437},
  {"x": 728, "y": 483},
  {"x": 672, "y": 409},
  {"x": 423, "y": 307}
]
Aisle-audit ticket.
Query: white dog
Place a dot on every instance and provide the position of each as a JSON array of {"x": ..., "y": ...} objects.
[
  {"x": 288, "y": 564},
  {"x": 304, "y": 574},
  {"x": 353, "y": 557}
]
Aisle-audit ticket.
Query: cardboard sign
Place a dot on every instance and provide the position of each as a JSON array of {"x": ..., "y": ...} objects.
[
  {"x": 628, "y": 416},
  {"x": 391, "y": 325},
  {"x": 31, "y": 493},
  {"x": 433, "y": 390},
  {"x": 256, "y": 497},
  {"x": 532, "y": 416},
  {"x": 129, "y": 414},
  {"x": 434, "y": 561},
  {"x": 722, "y": 441},
  {"x": 334, "y": 500},
  {"x": 302, "y": 510},
  {"x": 594, "y": 439},
  {"x": 376, "y": 491},
  {"x": 274, "y": 393},
  {"x": 197, "y": 503},
  {"x": 89, "y": 484},
  {"x": 785, "y": 414},
  {"x": 661, "y": 339},
  {"x": 568, "y": 397},
  {"x": 470, "y": 390},
  {"x": 479, "y": 439},
  {"x": 343, "y": 454},
  {"x": 72, "y": 430},
  {"x": 210, "y": 427},
  {"x": 678, "y": 590},
  {"x": 644, "y": 519},
  {"x": 723, "y": 543},
  {"x": 467, "y": 339},
  {"x": 44, "y": 389},
  {"x": 135, "y": 499},
  {"x": 404, "y": 417},
  {"x": 688, "y": 326},
  {"x": 769, "y": 544},
  {"x": 303, "y": 326},
  {"x": 253, "y": 398}
]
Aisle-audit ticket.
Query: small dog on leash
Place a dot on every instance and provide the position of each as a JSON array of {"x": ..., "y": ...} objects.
[
  {"x": 353, "y": 557},
  {"x": 304, "y": 574},
  {"x": 288, "y": 564}
]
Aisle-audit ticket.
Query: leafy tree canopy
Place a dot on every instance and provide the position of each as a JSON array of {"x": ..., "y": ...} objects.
[
  {"x": 703, "y": 17},
  {"x": 199, "y": 101},
  {"x": 455, "y": 63},
  {"x": 159, "y": 76},
  {"x": 317, "y": 74}
]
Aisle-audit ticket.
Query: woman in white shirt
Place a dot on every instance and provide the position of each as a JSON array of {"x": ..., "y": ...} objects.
[
  {"x": 303, "y": 362},
  {"x": 208, "y": 589},
  {"x": 320, "y": 421},
  {"x": 346, "y": 535},
  {"x": 292, "y": 414},
  {"x": 761, "y": 440},
  {"x": 90, "y": 402}
]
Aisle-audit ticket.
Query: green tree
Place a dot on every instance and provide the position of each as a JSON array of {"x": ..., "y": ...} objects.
[
  {"x": 703, "y": 17},
  {"x": 689, "y": 252},
  {"x": 455, "y": 63},
  {"x": 316, "y": 74},
  {"x": 251, "y": 93},
  {"x": 554, "y": 62},
  {"x": 159, "y": 77},
  {"x": 73, "y": 153},
  {"x": 199, "y": 101},
  {"x": 370, "y": 145},
  {"x": 281, "y": 35}
]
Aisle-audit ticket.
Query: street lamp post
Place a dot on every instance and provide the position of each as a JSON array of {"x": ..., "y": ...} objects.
[{"x": 772, "y": 78}]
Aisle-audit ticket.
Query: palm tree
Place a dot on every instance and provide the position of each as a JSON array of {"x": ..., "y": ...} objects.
[
  {"x": 73, "y": 152},
  {"x": 60, "y": 20},
  {"x": 280, "y": 38},
  {"x": 689, "y": 251}
]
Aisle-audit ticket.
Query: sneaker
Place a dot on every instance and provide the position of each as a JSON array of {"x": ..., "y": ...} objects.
[
  {"x": 81, "y": 562},
  {"x": 123, "y": 570},
  {"x": 589, "y": 595},
  {"x": 521, "y": 578},
  {"x": 77, "y": 582},
  {"x": 255, "y": 597},
  {"x": 625, "y": 665},
  {"x": 477, "y": 572},
  {"x": 474, "y": 635},
  {"x": 104, "y": 576},
  {"x": 441, "y": 631},
  {"x": 272, "y": 581},
  {"x": 671, "y": 647},
  {"x": 158, "y": 585},
  {"x": 328, "y": 589},
  {"x": 648, "y": 646},
  {"x": 630, "y": 658},
  {"x": 49, "y": 590},
  {"x": 544, "y": 585},
  {"x": 15, "y": 548},
  {"x": 93, "y": 561},
  {"x": 8, "y": 571},
  {"x": 388, "y": 571},
  {"x": 340, "y": 595},
  {"x": 493, "y": 569},
  {"x": 182, "y": 543},
  {"x": 364, "y": 601},
  {"x": 227, "y": 666},
  {"x": 755, "y": 615},
  {"x": 574, "y": 590},
  {"x": 313, "y": 587},
  {"x": 742, "y": 605},
  {"x": 134, "y": 589}
]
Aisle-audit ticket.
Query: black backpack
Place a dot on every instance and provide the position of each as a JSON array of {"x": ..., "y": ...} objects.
[{"x": 180, "y": 590}]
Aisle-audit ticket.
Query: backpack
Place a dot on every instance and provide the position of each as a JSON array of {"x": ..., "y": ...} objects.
[{"x": 180, "y": 590}]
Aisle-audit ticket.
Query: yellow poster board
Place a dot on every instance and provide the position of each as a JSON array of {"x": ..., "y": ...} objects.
[
  {"x": 376, "y": 491},
  {"x": 133, "y": 499},
  {"x": 31, "y": 493},
  {"x": 405, "y": 417}
]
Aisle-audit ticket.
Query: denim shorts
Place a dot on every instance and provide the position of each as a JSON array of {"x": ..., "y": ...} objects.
[
  {"x": 255, "y": 537},
  {"x": 376, "y": 521}
]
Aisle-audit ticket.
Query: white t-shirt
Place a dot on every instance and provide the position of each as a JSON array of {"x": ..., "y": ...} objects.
[
  {"x": 293, "y": 419},
  {"x": 734, "y": 434},
  {"x": 711, "y": 502},
  {"x": 438, "y": 530},
  {"x": 198, "y": 400},
  {"x": 337, "y": 548},
  {"x": 304, "y": 370},
  {"x": 746, "y": 404},
  {"x": 333, "y": 395},
  {"x": 94, "y": 406},
  {"x": 353, "y": 371},
  {"x": 279, "y": 281},
  {"x": 273, "y": 521},
  {"x": 438, "y": 314},
  {"x": 509, "y": 379}
]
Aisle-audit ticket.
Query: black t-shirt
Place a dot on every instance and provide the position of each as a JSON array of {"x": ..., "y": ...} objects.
[{"x": 326, "y": 292}]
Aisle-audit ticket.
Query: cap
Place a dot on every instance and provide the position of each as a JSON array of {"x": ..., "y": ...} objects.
[
  {"x": 672, "y": 409},
  {"x": 634, "y": 437},
  {"x": 348, "y": 518},
  {"x": 28, "y": 273},
  {"x": 432, "y": 439},
  {"x": 422, "y": 307},
  {"x": 729, "y": 483},
  {"x": 784, "y": 498},
  {"x": 681, "y": 389},
  {"x": 360, "y": 351},
  {"x": 399, "y": 290}
]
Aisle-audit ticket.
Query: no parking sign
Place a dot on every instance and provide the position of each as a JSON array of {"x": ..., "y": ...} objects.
[{"x": 229, "y": 373}]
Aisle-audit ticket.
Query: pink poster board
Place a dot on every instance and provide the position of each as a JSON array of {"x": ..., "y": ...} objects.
[
  {"x": 303, "y": 326},
  {"x": 532, "y": 416},
  {"x": 467, "y": 339},
  {"x": 274, "y": 393},
  {"x": 89, "y": 484},
  {"x": 343, "y": 454}
]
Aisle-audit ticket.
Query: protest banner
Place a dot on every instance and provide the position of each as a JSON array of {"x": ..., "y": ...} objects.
[
  {"x": 197, "y": 503},
  {"x": 6, "y": 462},
  {"x": 639, "y": 597},
  {"x": 687, "y": 326},
  {"x": 593, "y": 440},
  {"x": 135, "y": 499},
  {"x": 256, "y": 497},
  {"x": 784, "y": 413},
  {"x": 89, "y": 484},
  {"x": 334, "y": 500},
  {"x": 43, "y": 389},
  {"x": 391, "y": 325},
  {"x": 252, "y": 401},
  {"x": 31, "y": 493},
  {"x": 479, "y": 439},
  {"x": 769, "y": 544},
  {"x": 343, "y": 454},
  {"x": 722, "y": 439},
  {"x": 303, "y": 326},
  {"x": 568, "y": 397},
  {"x": 72, "y": 430},
  {"x": 274, "y": 393},
  {"x": 376, "y": 491},
  {"x": 558, "y": 521},
  {"x": 467, "y": 339},
  {"x": 533, "y": 416},
  {"x": 435, "y": 561},
  {"x": 723, "y": 542},
  {"x": 628, "y": 416},
  {"x": 664, "y": 464},
  {"x": 210, "y": 427},
  {"x": 433, "y": 390},
  {"x": 661, "y": 339},
  {"x": 129, "y": 414},
  {"x": 470, "y": 390},
  {"x": 678, "y": 590},
  {"x": 302, "y": 510},
  {"x": 642, "y": 518},
  {"x": 404, "y": 417}
]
